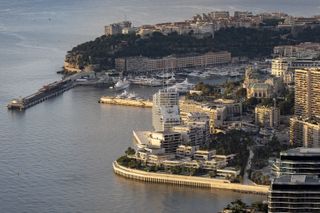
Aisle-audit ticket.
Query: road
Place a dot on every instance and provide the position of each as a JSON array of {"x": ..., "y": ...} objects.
[{"x": 246, "y": 179}]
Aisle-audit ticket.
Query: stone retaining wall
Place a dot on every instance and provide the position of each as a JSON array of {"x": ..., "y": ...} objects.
[{"x": 187, "y": 180}]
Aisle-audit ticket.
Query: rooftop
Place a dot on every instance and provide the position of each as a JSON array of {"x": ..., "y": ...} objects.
[
  {"x": 301, "y": 151},
  {"x": 295, "y": 179}
]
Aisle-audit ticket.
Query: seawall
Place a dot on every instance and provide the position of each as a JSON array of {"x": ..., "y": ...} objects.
[{"x": 187, "y": 180}]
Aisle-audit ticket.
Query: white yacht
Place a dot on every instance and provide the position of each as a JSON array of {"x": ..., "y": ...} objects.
[
  {"x": 145, "y": 81},
  {"x": 165, "y": 75},
  {"x": 195, "y": 73},
  {"x": 170, "y": 81},
  {"x": 204, "y": 74},
  {"x": 122, "y": 84},
  {"x": 183, "y": 87},
  {"x": 124, "y": 94}
]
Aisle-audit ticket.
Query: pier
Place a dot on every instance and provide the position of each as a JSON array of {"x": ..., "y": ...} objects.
[
  {"x": 45, "y": 93},
  {"x": 126, "y": 101},
  {"x": 193, "y": 181}
]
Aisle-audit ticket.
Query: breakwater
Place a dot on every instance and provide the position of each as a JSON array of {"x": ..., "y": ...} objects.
[
  {"x": 187, "y": 180},
  {"x": 126, "y": 101}
]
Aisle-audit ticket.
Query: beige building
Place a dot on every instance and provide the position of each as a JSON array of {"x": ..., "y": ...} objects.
[
  {"x": 185, "y": 151},
  {"x": 206, "y": 155},
  {"x": 305, "y": 127},
  {"x": 216, "y": 114},
  {"x": 117, "y": 28},
  {"x": 219, "y": 14},
  {"x": 157, "y": 142},
  {"x": 259, "y": 90},
  {"x": 233, "y": 108},
  {"x": 305, "y": 133},
  {"x": 267, "y": 116},
  {"x": 307, "y": 92},
  {"x": 193, "y": 135},
  {"x": 303, "y": 50},
  {"x": 280, "y": 67},
  {"x": 141, "y": 64},
  {"x": 284, "y": 67}
]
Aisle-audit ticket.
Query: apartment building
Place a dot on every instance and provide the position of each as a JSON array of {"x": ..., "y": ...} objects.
[
  {"x": 305, "y": 132},
  {"x": 138, "y": 65},
  {"x": 267, "y": 116}
]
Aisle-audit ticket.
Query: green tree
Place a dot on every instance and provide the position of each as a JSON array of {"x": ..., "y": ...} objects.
[{"x": 130, "y": 151}]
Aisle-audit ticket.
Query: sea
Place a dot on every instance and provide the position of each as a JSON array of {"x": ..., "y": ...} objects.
[{"x": 57, "y": 156}]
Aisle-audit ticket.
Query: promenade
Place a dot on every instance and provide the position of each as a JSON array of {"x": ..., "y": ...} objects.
[{"x": 188, "y": 180}]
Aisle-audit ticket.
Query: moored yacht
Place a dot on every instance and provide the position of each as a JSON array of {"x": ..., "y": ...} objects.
[
  {"x": 122, "y": 84},
  {"x": 145, "y": 81},
  {"x": 183, "y": 87}
]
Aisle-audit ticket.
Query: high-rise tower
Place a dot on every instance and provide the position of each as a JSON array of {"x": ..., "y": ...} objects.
[{"x": 165, "y": 110}]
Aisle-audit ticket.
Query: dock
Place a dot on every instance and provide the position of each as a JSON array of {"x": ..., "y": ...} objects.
[
  {"x": 126, "y": 101},
  {"x": 58, "y": 87}
]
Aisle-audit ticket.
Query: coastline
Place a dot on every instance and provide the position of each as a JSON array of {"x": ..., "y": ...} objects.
[{"x": 187, "y": 180}]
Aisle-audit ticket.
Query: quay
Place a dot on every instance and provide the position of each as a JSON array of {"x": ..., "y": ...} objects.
[
  {"x": 126, "y": 101},
  {"x": 188, "y": 180}
]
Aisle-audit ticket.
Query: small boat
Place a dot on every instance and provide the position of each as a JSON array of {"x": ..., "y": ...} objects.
[
  {"x": 194, "y": 74},
  {"x": 165, "y": 75},
  {"x": 145, "y": 81},
  {"x": 122, "y": 84},
  {"x": 124, "y": 94},
  {"x": 170, "y": 81}
]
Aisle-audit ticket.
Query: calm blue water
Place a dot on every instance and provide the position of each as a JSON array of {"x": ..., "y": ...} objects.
[{"x": 56, "y": 156}]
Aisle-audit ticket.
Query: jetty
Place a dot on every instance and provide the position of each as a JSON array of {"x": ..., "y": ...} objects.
[
  {"x": 46, "y": 92},
  {"x": 126, "y": 101}
]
